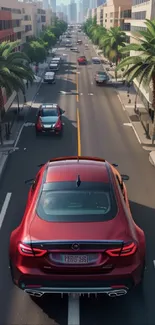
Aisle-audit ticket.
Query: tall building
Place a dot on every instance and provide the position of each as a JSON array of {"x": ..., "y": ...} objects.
[
  {"x": 93, "y": 4},
  {"x": 53, "y": 5},
  {"x": 85, "y": 7},
  {"x": 100, "y": 2},
  {"x": 73, "y": 12},
  {"x": 45, "y": 4}
]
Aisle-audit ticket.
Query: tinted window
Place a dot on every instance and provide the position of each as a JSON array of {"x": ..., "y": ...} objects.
[
  {"x": 49, "y": 112},
  {"x": 64, "y": 202}
]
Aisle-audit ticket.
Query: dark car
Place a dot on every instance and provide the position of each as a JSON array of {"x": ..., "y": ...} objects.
[
  {"x": 49, "y": 119},
  {"x": 77, "y": 234},
  {"x": 101, "y": 77}
]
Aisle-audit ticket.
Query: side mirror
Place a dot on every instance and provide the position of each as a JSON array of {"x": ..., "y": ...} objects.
[
  {"x": 61, "y": 111},
  {"x": 29, "y": 181},
  {"x": 125, "y": 177},
  {"x": 115, "y": 165}
]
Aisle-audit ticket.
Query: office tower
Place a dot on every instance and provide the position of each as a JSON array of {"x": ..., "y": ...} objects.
[
  {"x": 45, "y": 4},
  {"x": 73, "y": 12},
  {"x": 53, "y": 5}
]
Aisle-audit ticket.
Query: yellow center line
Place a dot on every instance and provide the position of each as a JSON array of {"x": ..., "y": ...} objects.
[
  {"x": 78, "y": 133},
  {"x": 77, "y": 87}
]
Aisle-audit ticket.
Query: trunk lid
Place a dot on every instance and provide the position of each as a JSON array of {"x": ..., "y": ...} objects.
[{"x": 78, "y": 245}]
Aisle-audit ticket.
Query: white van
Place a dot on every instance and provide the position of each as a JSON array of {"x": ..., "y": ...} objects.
[{"x": 49, "y": 77}]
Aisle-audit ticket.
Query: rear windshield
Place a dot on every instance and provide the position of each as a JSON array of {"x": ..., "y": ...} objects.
[
  {"x": 64, "y": 202},
  {"x": 49, "y": 112}
]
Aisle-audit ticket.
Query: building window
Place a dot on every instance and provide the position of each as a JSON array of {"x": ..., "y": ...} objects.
[
  {"x": 111, "y": 14},
  {"x": 137, "y": 28},
  {"x": 105, "y": 20},
  {"x": 141, "y": 15},
  {"x": 111, "y": 20},
  {"x": 126, "y": 14},
  {"x": 137, "y": 2},
  {"x": 106, "y": 15}
]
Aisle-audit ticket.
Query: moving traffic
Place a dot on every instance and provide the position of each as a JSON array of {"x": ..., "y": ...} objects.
[{"x": 72, "y": 121}]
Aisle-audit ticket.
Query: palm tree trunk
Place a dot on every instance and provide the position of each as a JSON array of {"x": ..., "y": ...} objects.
[
  {"x": 1, "y": 110},
  {"x": 153, "y": 105}
]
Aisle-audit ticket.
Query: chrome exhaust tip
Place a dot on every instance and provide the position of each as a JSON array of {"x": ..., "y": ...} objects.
[
  {"x": 34, "y": 293},
  {"x": 117, "y": 293}
]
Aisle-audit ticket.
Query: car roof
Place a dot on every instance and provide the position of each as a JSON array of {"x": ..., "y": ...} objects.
[
  {"x": 53, "y": 64},
  {"x": 49, "y": 73},
  {"x": 49, "y": 106},
  {"x": 57, "y": 58},
  {"x": 68, "y": 170},
  {"x": 95, "y": 58},
  {"x": 101, "y": 72}
]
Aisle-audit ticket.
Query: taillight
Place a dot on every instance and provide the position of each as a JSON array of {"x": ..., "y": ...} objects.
[
  {"x": 26, "y": 250},
  {"x": 58, "y": 124},
  {"x": 126, "y": 250},
  {"x": 39, "y": 124}
]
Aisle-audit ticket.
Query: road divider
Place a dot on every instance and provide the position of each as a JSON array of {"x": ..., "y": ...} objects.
[{"x": 78, "y": 133}]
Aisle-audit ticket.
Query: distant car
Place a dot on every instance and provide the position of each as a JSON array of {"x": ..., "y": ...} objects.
[
  {"x": 77, "y": 234},
  {"x": 96, "y": 60},
  {"x": 56, "y": 59},
  {"x": 54, "y": 66},
  {"x": 101, "y": 77},
  {"x": 82, "y": 60},
  {"x": 74, "y": 49},
  {"x": 49, "y": 119},
  {"x": 49, "y": 77},
  {"x": 79, "y": 42}
]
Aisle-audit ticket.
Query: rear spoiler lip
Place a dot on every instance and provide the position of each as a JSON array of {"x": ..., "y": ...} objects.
[{"x": 63, "y": 245}]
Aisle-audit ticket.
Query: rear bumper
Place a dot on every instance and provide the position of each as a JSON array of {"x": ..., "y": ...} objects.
[
  {"x": 49, "y": 131},
  {"x": 39, "y": 284}
]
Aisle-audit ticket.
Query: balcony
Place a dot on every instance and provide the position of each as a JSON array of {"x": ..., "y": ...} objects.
[{"x": 19, "y": 29}]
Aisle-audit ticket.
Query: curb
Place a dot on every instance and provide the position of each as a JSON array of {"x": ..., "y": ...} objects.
[
  {"x": 5, "y": 156},
  {"x": 128, "y": 117}
]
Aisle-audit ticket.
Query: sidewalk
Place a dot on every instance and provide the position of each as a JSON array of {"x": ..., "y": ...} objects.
[
  {"x": 17, "y": 120},
  {"x": 140, "y": 120}
]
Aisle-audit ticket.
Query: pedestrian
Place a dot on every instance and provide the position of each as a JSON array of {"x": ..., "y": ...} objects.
[{"x": 27, "y": 84}]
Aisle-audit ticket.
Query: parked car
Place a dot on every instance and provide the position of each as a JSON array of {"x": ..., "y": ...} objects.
[{"x": 49, "y": 77}]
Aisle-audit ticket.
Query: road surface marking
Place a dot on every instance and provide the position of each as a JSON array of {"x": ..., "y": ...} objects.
[
  {"x": 73, "y": 310},
  {"x": 78, "y": 133},
  {"x": 154, "y": 263},
  {"x": 19, "y": 134},
  {"x": 77, "y": 87},
  {"x": 4, "y": 208},
  {"x": 121, "y": 102},
  {"x": 127, "y": 124}
]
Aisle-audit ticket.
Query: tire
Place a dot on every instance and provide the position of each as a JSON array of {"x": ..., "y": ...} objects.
[
  {"x": 11, "y": 271},
  {"x": 37, "y": 133}
]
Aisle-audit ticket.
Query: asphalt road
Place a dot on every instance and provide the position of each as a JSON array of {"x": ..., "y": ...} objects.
[{"x": 97, "y": 130}]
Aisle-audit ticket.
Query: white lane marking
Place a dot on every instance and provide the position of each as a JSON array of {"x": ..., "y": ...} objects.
[
  {"x": 73, "y": 310},
  {"x": 154, "y": 263},
  {"x": 121, "y": 102},
  {"x": 90, "y": 94},
  {"x": 127, "y": 124},
  {"x": 92, "y": 83},
  {"x": 4, "y": 208},
  {"x": 29, "y": 124},
  {"x": 19, "y": 134}
]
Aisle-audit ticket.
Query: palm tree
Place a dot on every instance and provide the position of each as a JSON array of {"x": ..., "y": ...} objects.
[
  {"x": 112, "y": 43},
  {"x": 142, "y": 65},
  {"x": 14, "y": 69}
]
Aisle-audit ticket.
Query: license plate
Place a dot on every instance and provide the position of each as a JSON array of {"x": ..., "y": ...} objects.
[
  {"x": 47, "y": 126},
  {"x": 75, "y": 259}
]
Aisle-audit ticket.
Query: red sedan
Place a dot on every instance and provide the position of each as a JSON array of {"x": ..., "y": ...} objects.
[
  {"x": 77, "y": 234},
  {"x": 49, "y": 119},
  {"x": 82, "y": 60}
]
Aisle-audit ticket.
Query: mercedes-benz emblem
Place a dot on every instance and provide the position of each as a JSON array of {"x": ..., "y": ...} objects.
[{"x": 75, "y": 246}]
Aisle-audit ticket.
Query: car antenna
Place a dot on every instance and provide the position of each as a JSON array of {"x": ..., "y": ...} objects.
[{"x": 78, "y": 181}]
